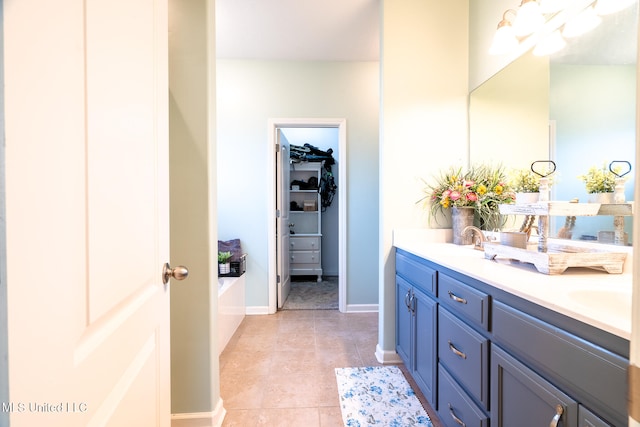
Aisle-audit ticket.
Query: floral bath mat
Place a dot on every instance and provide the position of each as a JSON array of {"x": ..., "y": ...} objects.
[{"x": 378, "y": 396}]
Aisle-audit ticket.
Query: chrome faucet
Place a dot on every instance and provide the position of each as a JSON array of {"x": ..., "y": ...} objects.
[{"x": 479, "y": 240}]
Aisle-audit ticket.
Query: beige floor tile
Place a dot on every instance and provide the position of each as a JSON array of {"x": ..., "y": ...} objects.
[
  {"x": 247, "y": 362},
  {"x": 331, "y": 416},
  {"x": 279, "y": 370},
  {"x": 295, "y": 361},
  {"x": 239, "y": 391},
  {"x": 295, "y": 341},
  {"x": 277, "y": 417},
  {"x": 262, "y": 342},
  {"x": 289, "y": 417},
  {"x": 296, "y": 390}
]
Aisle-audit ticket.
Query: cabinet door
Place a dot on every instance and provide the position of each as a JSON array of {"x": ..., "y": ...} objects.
[
  {"x": 425, "y": 363},
  {"x": 404, "y": 319},
  {"x": 587, "y": 418},
  {"x": 520, "y": 397}
]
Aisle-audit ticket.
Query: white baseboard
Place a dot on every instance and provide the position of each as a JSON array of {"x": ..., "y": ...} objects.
[
  {"x": 351, "y": 308},
  {"x": 362, "y": 308},
  {"x": 200, "y": 419},
  {"x": 256, "y": 309},
  {"x": 387, "y": 357}
]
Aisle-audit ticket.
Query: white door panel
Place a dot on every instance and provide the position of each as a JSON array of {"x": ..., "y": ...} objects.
[
  {"x": 282, "y": 227},
  {"x": 87, "y": 212}
]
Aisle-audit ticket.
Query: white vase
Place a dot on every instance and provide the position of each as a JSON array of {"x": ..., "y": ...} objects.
[
  {"x": 224, "y": 268},
  {"x": 524, "y": 198},
  {"x": 602, "y": 198}
]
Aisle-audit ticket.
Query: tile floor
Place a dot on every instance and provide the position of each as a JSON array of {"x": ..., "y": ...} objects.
[{"x": 278, "y": 370}]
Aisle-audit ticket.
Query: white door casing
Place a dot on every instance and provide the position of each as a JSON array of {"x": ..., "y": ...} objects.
[
  {"x": 282, "y": 218},
  {"x": 87, "y": 212},
  {"x": 341, "y": 124}
]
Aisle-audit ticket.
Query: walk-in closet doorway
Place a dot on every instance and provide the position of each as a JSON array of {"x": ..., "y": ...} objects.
[{"x": 283, "y": 132}]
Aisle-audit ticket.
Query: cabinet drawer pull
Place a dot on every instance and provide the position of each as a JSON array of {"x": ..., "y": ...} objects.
[
  {"x": 457, "y": 298},
  {"x": 557, "y": 416},
  {"x": 456, "y": 419},
  {"x": 412, "y": 303},
  {"x": 456, "y": 351},
  {"x": 407, "y": 300}
]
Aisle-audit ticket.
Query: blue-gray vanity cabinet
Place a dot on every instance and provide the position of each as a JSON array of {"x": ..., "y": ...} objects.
[
  {"x": 587, "y": 418},
  {"x": 416, "y": 322},
  {"x": 467, "y": 302},
  {"x": 465, "y": 354},
  {"x": 456, "y": 408},
  {"x": 404, "y": 320},
  {"x": 593, "y": 375},
  {"x": 483, "y": 356},
  {"x": 520, "y": 397}
]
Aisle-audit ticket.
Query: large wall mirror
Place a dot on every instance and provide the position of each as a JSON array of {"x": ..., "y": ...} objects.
[{"x": 577, "y": 107}]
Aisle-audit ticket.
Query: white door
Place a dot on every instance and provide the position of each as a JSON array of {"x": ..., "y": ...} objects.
[
  {"x": 282, "y": 220},
  {"x": 87, "y": 212}
]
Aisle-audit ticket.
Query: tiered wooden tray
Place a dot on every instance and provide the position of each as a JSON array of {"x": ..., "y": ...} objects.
[
  {"x": 555, "y": 258},
  {"x": 568, "y": 209},
  {"x": 559, "y": 257}
]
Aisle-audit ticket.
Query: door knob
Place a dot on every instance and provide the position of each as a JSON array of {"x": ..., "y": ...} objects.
[{"x": 179, "y": 273}]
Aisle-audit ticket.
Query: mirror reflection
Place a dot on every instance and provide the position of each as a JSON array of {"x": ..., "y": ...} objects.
[{"x": 576, "y": 107}]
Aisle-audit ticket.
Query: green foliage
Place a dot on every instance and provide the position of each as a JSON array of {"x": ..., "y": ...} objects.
[
  {"x": 599, "y": 179},
  {"x": 224, "y": 257},
  {"x": 525, "y": 181}
]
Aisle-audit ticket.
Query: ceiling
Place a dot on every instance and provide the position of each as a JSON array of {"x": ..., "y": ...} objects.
[
  {"x": 327, "y": 30},
  {"x": 349, "y": 30}
]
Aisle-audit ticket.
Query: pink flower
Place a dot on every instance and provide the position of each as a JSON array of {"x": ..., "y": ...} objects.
[
  {"x": 472, "y": 197},
  {"x": 454, "y": 195},
  {"x": 468, "y": 183}
]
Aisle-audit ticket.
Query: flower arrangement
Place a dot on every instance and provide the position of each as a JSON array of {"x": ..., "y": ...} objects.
[
  {"x": 525, "y": 181},
  {"x": 482, "y": 187},
  {"x": 599, "y": 180}
]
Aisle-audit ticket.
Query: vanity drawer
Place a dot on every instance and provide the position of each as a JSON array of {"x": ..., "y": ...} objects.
[
  {"x": 416, "y": 272},
  {"x": 455, "y": 408},
  {"x": 464, "y": 300},
  {"x": 465, "y": 353},
  {"x": 306, "y": 257},
  {"x": 304, "y": 243}
]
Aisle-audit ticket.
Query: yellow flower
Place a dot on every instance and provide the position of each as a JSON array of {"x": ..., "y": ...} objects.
[
  {"x": 499, "y": 189},
  {"x": 482, "y": 190}
]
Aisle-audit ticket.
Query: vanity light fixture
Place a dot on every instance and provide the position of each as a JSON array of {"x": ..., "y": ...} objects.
[
  {"x": 585, "y": 21},
  {"x": 606, "y": 7},
  {"x": 528, "y": 19},
  {"x": 552, "y": 6},
  {"x": 535, "y": 18},
  {"x": 504, "y": 40},
  {"x": 550, "y": 44}
]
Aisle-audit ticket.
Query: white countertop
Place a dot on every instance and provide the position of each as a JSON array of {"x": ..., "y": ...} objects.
[{"x": 594, "y": 297}]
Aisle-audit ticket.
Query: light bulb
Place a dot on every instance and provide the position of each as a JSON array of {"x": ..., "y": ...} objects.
[
  {"x": 550, "y": 44},
  {"x": 529, "y": 18},
  {"x": 552, "y": 6},
  {"x": 504, "y": 40}
]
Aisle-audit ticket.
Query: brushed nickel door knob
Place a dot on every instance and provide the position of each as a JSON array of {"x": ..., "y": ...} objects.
[{"x": 179, "y": 273}]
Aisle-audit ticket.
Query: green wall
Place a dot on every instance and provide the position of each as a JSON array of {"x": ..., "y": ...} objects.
[{"x": 250, "y": 93}]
